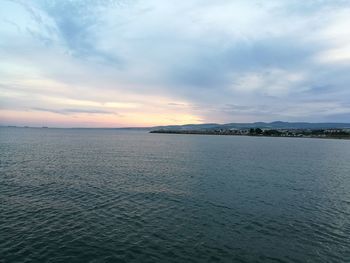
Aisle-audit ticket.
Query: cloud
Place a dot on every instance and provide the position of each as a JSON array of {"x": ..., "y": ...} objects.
[
  {"x": 73, "y": 111},
  {"x": 271, "y": 59}
]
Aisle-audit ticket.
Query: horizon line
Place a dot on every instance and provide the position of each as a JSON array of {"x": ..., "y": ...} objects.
[{"x": 149, "y": 127}]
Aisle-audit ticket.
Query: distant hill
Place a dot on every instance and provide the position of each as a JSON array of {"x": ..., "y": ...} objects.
[
  {"x": 271, "y": 125},
  {"x": 188, "y": 127}
]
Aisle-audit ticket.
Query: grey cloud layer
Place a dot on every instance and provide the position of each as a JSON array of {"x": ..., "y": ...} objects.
[{"x": 270, "y": 59}]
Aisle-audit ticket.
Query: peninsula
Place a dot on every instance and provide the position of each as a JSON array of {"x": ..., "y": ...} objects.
[{"x": 273, "y": 129}]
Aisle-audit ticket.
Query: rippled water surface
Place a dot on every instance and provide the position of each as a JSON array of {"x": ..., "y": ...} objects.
[{"x": 94, "y": 195}]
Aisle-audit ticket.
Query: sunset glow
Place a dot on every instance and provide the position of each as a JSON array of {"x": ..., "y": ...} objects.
[{"x": 146, "y": 63}]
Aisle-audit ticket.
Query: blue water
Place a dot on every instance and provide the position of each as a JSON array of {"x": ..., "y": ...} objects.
[{"x": 94, "y": 195}]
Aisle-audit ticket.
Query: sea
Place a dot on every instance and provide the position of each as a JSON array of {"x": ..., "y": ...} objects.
[{"x": 111, "y": 195}]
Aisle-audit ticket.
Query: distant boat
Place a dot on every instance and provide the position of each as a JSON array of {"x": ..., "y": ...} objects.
[{"x": 44, "y": 127}]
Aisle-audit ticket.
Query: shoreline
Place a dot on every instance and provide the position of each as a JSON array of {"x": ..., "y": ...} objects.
[{"x": 247, "y": 135}]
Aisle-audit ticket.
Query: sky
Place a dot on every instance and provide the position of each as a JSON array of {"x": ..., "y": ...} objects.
[{"x": 123, "y": 63}]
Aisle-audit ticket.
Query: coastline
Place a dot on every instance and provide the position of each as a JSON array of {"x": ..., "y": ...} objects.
[{"x": 249, "y": 135}]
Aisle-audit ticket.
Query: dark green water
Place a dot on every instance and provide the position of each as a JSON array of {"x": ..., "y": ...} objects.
[{"x": 74, "y": 195}]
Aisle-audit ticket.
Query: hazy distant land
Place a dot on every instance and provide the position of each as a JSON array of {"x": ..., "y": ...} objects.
[{"x": 272, "y": 129}]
